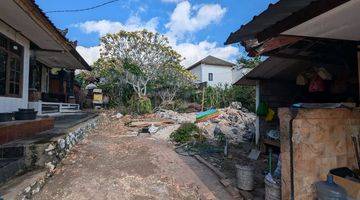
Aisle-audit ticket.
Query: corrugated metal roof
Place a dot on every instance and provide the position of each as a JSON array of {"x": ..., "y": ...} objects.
[
  {"x": 273, "y": 14},
  {"x": 211, "y": 60}
]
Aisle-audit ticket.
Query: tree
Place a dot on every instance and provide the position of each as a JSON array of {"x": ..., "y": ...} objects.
[
  {"x": 141, "y": 56},
  {"x": 171, "y": 81},
  {"x": 249, "y": 62}
]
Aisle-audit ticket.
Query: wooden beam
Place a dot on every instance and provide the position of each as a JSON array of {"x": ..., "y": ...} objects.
[
  {"x": 273, "y": 43},
  {"x": 358, "y": 68},
  {"x": 304, "y": 58}
]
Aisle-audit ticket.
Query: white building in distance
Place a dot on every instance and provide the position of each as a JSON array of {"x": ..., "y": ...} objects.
[{"x": 215, "y": 71}]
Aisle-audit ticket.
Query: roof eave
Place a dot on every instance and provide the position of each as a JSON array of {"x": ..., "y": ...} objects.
[
  {"x": 308, "y": 12},
  {"x": 35, "y": 11}
]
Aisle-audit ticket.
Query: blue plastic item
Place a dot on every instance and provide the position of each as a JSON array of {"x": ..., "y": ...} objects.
[{"x": 329, "y": 190}]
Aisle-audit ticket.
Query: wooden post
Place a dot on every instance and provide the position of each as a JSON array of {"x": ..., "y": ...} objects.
[
  {"x": 257, "y": 123},
  {"x": 358, "y": 64},
  {"x": 203, "y": 99}
]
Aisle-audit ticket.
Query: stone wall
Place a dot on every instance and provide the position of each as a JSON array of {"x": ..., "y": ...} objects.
[
  {"x": 50, "y": 154},
  {"x": 321, "y": 140}
]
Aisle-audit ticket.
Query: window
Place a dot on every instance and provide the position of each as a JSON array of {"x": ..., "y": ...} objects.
[
  {"x": 10, "y": 67},
  {"x": 211, "y": 77},
  {"x": 3, "y": 64}
]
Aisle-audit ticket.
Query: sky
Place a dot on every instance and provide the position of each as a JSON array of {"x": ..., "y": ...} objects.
[{"x": 195, "y": 28}]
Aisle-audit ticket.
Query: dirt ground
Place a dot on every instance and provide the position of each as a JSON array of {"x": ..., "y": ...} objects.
[{"x": 114, "y": 163}]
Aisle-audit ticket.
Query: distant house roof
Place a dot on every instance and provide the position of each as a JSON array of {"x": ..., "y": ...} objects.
[
  {"x": 281, "y": 16},
  {"x": 211, "y": 60}
]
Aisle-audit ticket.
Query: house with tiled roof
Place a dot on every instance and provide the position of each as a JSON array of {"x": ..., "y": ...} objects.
[
  {"x": 214, "y": 71},
  {"x": 37, "y": 61}
]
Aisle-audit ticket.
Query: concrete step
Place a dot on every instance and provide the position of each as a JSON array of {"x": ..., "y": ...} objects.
[
  {"x": 10, "y": 168},
  {"x": 11, "y": 152}
]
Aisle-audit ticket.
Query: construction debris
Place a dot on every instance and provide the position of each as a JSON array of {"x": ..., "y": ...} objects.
[
  {"x": 235, "y": 124},
  {"x": 177, "y": 117},
  {"x": 149, "y": 122}
]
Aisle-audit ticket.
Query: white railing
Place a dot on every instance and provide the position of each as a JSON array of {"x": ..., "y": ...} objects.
[{"x": 44, "y": 108}]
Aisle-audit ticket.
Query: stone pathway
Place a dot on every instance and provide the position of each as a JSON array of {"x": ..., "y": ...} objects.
[{"x": 113, "y": 163}]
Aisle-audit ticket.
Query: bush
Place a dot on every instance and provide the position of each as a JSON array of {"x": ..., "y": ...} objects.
[
  {"x": 220, "y": 97},
  {"x": 140, "y": 106},
  {"x": 185, "y": 133}
]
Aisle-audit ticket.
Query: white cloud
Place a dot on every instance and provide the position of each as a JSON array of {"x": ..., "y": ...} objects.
[
  {"x": 195, "y": 52},
  {"x": 191, "y": 52},
  {"x": 183, "y": 19},
  {"x": 90, "y": 54},
  {"x": 103, "y": 27}
]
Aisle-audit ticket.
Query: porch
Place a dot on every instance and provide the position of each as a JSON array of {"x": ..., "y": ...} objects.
[
  {"x": 23, "y": 143},
  {"x": 46, "y": 108}
]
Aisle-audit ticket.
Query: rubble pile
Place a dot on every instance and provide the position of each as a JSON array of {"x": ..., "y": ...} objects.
[
  {"x": 235, "y": 122},
  {"x": 177, "y": 117}
]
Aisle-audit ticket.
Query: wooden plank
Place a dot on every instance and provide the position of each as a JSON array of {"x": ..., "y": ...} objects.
[{"x": 210, "y": 166}]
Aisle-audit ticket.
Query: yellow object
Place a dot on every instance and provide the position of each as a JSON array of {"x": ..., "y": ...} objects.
[
  {"x": 270, "y": 115},
  {"x": 98, "y": 98}
]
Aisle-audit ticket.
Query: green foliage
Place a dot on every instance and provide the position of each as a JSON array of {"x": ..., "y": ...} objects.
[
  {"x": 132, "y": 68},
  {"x": 249, "y": 62},
  {"x": 185, "y": 133},
  {"x": 143, "y": 58},
  {"x": 220, "y": 97},
  {"x": 140, "y": 105}
]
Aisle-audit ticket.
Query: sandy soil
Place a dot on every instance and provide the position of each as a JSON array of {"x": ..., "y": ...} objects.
[{"x": 114, "y": 163}]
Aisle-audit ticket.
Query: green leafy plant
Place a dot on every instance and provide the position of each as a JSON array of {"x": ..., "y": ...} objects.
[
  {"x": 220, "y": 97},
  {"x": 140, "y": 105},
  {"x": 185, "y": 133}
]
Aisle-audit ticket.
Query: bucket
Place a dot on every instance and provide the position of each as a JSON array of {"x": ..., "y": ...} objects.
[
  {"x": 272, "y": 191},
  {"x": 245, "y": 177}
]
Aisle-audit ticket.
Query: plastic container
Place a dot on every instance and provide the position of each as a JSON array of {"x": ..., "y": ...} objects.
[
  {"x": 245, "y": 177},
  {"x": 329, "y": 190},
  {"x": 272, "y": 190},
  {"x": 25, "y": 114}
]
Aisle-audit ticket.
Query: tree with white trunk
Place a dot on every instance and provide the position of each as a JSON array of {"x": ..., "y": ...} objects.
[{"x": 142, "y": 56}]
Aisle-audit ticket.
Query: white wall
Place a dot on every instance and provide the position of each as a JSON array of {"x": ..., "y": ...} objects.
[
  {"x": 238, "y": 73},
  {"x": 9, "y": 104},
  {"x": 222, "y": 75},
  {"x": 197, "y": 72}
]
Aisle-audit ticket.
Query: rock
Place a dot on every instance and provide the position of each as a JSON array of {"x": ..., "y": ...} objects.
[
  {"x": 50, "y": 166},
  {"x": 235, "y": 131},
  {"x": 164, "y": 133},
  {"x": 50, "y": 148},
  {"x": 153, "y": 129},
  {"x": 27, "y": 189},
  {"x": 61, "y": 143},
  {"x": 36, "y": 190},
  {"x": 118, "y": 115},
  {"x": 177, "y": 117},
  {"x": 236, "y": 105}
]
